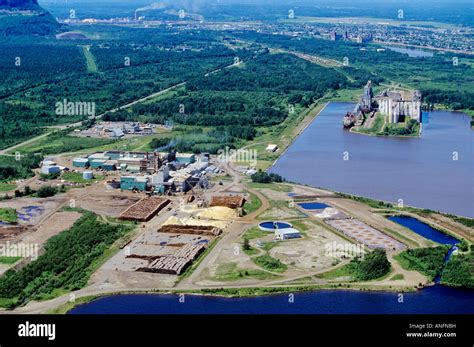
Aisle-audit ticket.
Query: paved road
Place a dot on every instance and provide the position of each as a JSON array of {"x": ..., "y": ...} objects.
[{"x": 12, "y": 148}]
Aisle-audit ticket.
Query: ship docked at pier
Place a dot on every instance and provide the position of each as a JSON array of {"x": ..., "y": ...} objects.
[
  {"x": 353, "y": 118},
  {"x": 364, "y": 108}
]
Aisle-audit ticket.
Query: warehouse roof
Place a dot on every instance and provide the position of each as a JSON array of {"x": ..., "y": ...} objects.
[{"x": 82, "y": 160}]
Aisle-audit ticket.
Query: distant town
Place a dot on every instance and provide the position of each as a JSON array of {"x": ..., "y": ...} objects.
[{"x": 384, "y": 32}]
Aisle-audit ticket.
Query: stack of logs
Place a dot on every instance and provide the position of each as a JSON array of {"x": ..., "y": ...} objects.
[
  {"x": 206, "y": 230},
  {"x": 175, "y": 264},
  {"x": 233, "y": 202},
  {"x": 145, "y": 209}
]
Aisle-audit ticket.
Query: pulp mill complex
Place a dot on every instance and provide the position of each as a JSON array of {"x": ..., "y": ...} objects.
[
  {"x": 201, "y": 223},
  {"x": 155, "y": 172}
]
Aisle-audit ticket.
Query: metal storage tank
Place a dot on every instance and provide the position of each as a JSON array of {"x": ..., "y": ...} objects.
[{"x": 87, "y": 175}]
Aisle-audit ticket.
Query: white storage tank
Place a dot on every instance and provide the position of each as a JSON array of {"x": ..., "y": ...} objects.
[{"x": 87, "y": 175}]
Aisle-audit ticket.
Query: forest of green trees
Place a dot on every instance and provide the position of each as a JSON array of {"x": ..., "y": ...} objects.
[
  {"x": 235, "y": 103},
  {"x": 459, "y": 271},
  {"x": 264, "y": 177},
  {"x": 428, "y": 261},
  {"x": 37, "y": 75},
  {"x": 66, "y": 263},
  {"x": 13, "y": 168},
  {"x": 373, "y": 265}
]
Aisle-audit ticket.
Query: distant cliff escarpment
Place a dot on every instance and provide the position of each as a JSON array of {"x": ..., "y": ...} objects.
[{"x": 26, "y": 18}]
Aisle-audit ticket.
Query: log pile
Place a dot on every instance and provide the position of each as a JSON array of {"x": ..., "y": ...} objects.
[
  {"x": 144, "y": 257},
  {"x": 145, "y": 209},
  {"x": 175, "y": 264},
  {"x": 233, "y": 202},
  {"x": 206, "y": 230},
  {"x": 190, "y": 251}
]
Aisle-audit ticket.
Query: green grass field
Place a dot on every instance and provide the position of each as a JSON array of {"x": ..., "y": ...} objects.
[
  {"x": 269, "y": 263},
  {"x": 9, "y": 260},
  {"x": 343, "y": 271},
  {"x": 8, "y": 215},
  {"x": 251, "y": 251},
  {"x": 254, "y": 233},
  {"x": 53, "y": 144},
  {"x": 397, "y": 277},
  {"x": 75, "y": 177},
  {"x": 90, "y": 60},
  {"x": 279, "y": 187},
  {"x": 230, "y": 272},
  {"x": 375, "y": 129},
  {"x": 5, "y": 187},
  {"x": 345, "y": 95},
  {"x": 252, "y": 205}
]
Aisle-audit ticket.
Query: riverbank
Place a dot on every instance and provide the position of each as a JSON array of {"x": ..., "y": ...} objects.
[
  {"x": 282, "y": 135},
  {"x": 231, "y": 293},
  {"x": 432, "y": 300},
  {"x": 378, "y": 126}
]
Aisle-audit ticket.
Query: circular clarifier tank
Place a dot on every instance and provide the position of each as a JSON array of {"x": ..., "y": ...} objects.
[{"x": 271, "y": 226}]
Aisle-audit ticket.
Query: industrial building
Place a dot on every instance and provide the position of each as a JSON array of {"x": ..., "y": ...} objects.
[
  {"x": 159, "y": 182},
  {"x": 398, "y": 104},
  {"x": 49, "y": 170},
  {"x": 80, "y": 162},
  {"x": 154, "y": 172},
  {"x": 48, "y": 162},
  {"x": 272, "y": 148},
  {"x": 130, "y": 183},
  {"x": 287, "y": 233},
  {"x": 117, "y": 133},
  {"x": 110, "y": 165},
  {"x": 185, "y": 158},
  {"x": 165, "y": 180},
  {"x": 125, "y": 161},
  {"x": 117, "y": 130},
  {"x": 87, "y": 175}
]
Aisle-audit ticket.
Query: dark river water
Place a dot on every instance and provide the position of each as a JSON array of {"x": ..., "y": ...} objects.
[
  {"x": 431, "y": 300},
  {"x": 419, "y": 171}
]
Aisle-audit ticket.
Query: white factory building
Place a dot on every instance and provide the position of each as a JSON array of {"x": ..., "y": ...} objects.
[
  {"x": 287, "y": 233},
  {"x": 396, "y": 104}
]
